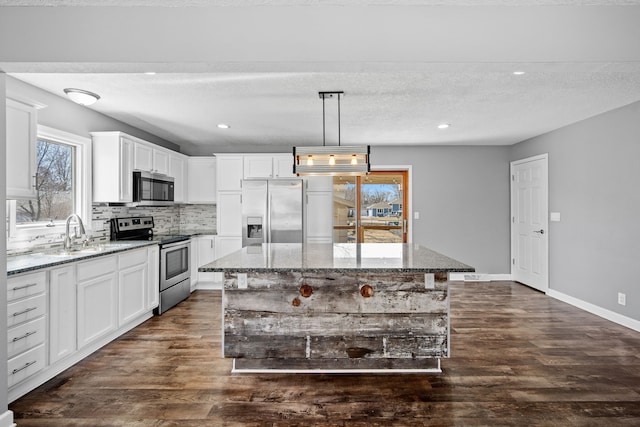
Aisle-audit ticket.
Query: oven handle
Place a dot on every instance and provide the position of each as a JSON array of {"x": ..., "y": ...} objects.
[{"x": 173, "y": 245}]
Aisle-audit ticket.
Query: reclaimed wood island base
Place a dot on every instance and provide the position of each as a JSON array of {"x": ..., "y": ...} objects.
[{"x": 336, "y": 307}]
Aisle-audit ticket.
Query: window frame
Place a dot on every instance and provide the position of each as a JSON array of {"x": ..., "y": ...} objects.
[{"x": 82, "y": 187}]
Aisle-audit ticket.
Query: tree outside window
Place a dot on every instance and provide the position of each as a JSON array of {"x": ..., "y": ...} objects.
[{"x": 54, "y": 185}]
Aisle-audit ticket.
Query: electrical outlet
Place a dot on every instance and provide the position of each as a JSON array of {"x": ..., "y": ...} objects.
[
  {"x": 622, "y": 298},
  {"x": 242, "y": 280},
  {"x": 429, "y": 281}
]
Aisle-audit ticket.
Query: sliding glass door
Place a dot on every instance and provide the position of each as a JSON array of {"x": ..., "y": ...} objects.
[{"x": 371, "y": 208}]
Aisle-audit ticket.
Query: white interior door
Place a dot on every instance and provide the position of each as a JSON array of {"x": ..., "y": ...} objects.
[{"x": 529, "y": 222}]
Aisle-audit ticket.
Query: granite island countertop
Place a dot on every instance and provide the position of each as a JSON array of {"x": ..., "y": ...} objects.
[
  {"x": 337, "y": 257},
  {"x": 33, "y": 261}
]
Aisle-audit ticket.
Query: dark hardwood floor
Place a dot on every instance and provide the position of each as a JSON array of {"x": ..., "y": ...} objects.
[{"x": 519, "y": 358}]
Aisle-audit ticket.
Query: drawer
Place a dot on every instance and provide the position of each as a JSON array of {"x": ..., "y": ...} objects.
[
  {"x": 130, "y": 258},
  {"x": 96, "y": 267},
  {"x": 22, "y": 367},
  {"x": 25, "y": 336},
  {"x": 26, "y": 285},
  {"x": 26, "y": 309}
]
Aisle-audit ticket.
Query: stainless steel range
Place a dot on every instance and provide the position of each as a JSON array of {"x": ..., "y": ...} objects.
[{"x": 175, "y": 253}]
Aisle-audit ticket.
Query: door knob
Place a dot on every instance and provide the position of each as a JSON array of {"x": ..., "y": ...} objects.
[{"x": 539, "y": 231}]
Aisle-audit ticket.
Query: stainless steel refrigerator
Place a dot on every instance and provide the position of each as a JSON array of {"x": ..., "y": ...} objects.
[{"x": 271, "y": 211}]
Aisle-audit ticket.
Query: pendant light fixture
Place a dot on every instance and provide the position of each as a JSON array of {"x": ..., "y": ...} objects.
[{"x": 332, "y": 160}]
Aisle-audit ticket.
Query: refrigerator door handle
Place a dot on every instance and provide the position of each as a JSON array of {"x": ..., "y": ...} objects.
[{"x": 269, "y": 206}]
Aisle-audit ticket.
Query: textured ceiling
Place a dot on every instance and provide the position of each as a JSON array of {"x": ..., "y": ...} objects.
[{"x": 404, "y": 68}]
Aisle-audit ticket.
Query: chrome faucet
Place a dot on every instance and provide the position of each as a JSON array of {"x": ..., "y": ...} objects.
[{"x": 67, "y": 237}]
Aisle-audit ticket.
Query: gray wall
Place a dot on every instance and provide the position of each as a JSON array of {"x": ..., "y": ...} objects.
[
  {"x": 594, "y": 182},
  {"x": 68, "y": 116},
  {"x": 462, "y": 194}
]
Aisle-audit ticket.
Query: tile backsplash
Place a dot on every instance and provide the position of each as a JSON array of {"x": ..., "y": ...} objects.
[{"x": 167, "y": 220}]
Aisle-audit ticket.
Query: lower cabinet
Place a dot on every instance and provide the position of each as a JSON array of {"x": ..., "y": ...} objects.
[
  {"x": 227, "y": 244},
  {"x": 62, "y": 313},
  {"x": 132, "y": 286},
  {"x": 97, "y": 299},
  {"x": 82, "y": 305}
]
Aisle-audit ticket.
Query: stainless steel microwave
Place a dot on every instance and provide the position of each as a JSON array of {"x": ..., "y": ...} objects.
[{"x": 151, "y": 189}]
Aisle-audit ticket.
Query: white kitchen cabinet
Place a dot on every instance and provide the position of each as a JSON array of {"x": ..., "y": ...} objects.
[
  {"x": 147, "y": 158},
  {"x": 70, "y": 310},
  {"x": 21, "y": 150},
  {"x": 229, "y": 213},
  {"x": 97, "y": 299},
  {"x": 229, "y": 172},
  {"x": 202, "y": 179},
  {"x": 153, "y": 282},
  {"x": 319, "y": 221},
  {"x": 258, "y": 166},
  {"x": 160, "y": 162},
  {"x": 142, "y": 157},
  {"x": 62, "y": 312},
  {"x": 112, "y": 167},
  {"x": 283, "y": 166},
  {"x": 178, "y": 170},
  {"x": 26, "y": 326},
  {"x": 318, "y": 183},
  {"x": 268, "y": 166},
  {"x": 227, "y": 244},
  {"x": 206, "y": 254},
  {"x": 132, "y": 285}
]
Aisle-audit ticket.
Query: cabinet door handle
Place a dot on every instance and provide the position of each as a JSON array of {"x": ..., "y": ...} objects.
[
  {"x": 35, "y": 180},
  {"x": 28, "y": 334},
  {"x": 17, "y": 288},
  {"x": 25, "y": 311},
  {"x": 26, "y": 365}
]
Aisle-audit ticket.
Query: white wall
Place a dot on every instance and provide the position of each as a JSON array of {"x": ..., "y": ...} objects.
[{"x": 594, "y": 182}]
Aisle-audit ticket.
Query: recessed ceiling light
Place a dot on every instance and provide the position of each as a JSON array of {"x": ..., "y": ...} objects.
[
  {"x": 81, "y": 96},
  {"x": 150, "y": 73},
  {"x": 223, "y": 126},
  {"x": 518, "y": 73},
  {"x": 444, "y": 125}
]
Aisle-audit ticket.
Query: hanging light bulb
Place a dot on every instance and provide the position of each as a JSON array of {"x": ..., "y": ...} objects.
[
  {"x": 332, "y": 160},
  {"x": 354, "y": 159},
  {"x": 310, "y": 160}
]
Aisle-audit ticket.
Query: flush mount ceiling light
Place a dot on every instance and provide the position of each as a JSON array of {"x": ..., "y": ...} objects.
[
  {"x": 518, "y": 73},
  {"x": 223, "y": 126},
  {"x": 80, "y": 96},
  {"x": 444, "y": 126},
  {"x": 334, "y": 160}
]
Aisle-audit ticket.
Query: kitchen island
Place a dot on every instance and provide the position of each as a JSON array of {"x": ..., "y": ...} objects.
[{"x": 336, "y": 307}]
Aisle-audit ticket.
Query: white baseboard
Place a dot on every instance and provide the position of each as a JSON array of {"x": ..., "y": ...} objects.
[
  {"x": 6, "y": 419},
  {"x": 598, "y": 311},
  {"x": 478, "y": 277}
]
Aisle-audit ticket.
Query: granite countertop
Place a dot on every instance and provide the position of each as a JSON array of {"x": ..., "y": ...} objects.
[
  {"x": 197, "y": 232},
  {"x": 347, "y": 257},
  {"x": 35, "y": 261}
]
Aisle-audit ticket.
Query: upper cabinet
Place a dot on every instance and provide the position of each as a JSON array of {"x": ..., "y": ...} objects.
[
  {"x": 268, "y": 166},
  {"x": 229, "y": 173},
  {"x": 112, "y": 167},
  {"x": 149, "y": 159},
  {"x": 202, "y": 180},
  {"x": 178, "y": 170},
  {"x": 21, "y": 150},
  {"x": 116, "y": 155}
]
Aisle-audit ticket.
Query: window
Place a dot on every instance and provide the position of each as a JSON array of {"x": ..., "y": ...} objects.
[
  {"x": 63, "y": 168},
  {"x": 55, "y": 198}
]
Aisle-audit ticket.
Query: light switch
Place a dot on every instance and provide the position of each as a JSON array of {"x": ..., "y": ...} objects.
[
  {"x": 416, "y": 215},
  {"x": 554, "y": 216}
]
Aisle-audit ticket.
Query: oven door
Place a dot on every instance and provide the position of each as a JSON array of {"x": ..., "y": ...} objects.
[{"x": 174, "y": 264}]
